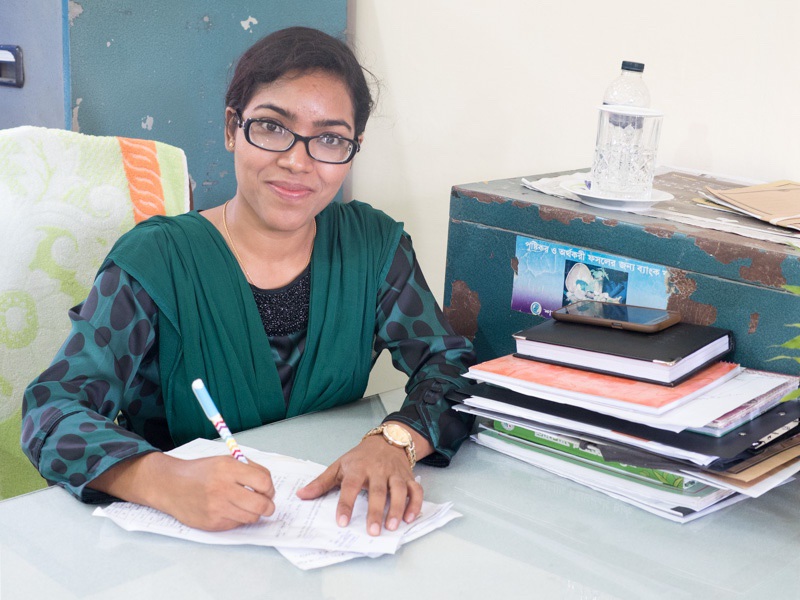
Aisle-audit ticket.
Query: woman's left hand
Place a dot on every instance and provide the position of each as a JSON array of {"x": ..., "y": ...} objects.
[{"x": 381, "y": 469}]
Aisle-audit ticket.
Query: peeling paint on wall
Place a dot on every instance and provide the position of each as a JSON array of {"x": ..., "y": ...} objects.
[
  {"x": 75, "y": 11},
  {"x": 147, "y": 123},
  {"x": 665, "y": 230},
  {"x": 462, "y": 314},
  {"x": 753, "y": 326},
  {"x": 248, "y": 23},
  {"x": 204, "y": 24},
  {"x": 75, "y": 125},
  {"x": 682, "y": 286},
  {"x": 564, "y": 216}
]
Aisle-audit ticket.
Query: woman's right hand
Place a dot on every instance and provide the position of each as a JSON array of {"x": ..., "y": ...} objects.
[{"x": 207, "y": 493}]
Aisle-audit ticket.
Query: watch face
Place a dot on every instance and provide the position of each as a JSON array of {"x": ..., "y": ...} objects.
[{"x": 397, "y": 435}]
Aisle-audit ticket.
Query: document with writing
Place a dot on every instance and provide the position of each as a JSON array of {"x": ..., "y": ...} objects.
[{"x": 304, "y": 531}]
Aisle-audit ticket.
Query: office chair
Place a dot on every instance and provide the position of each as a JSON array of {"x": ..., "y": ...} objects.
[{"x": 65, "y": 198}]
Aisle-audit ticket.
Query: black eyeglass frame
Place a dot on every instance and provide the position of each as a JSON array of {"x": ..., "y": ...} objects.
[{"x": 297, "y": 137}]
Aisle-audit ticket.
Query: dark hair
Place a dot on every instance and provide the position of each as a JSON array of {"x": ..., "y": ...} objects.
[{"x": 298, "y": 50}]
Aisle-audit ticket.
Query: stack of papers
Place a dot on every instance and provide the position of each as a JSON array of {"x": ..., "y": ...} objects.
[
  {"x": 764, "y": 390},
  {"x": 691, "y": 204},
  {"x": 777, "y": 203},
  {"x": 643, "y": 443},
  {"x": 682, "y": 502},
  {"x": 628, "y": 398},
  {"x": 303, "y": 531}
]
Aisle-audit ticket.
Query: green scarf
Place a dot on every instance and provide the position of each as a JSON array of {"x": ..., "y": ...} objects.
[{"x": 209, "y": 326}]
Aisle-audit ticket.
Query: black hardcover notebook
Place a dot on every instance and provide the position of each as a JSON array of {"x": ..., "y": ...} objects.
[{"x": 667, "y": 357}]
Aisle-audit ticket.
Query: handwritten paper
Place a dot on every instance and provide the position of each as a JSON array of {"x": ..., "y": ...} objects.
[{"x": 304, "y": 531}]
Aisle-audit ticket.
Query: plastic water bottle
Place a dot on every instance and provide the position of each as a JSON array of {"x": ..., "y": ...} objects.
[
  {"x": 629, "y": 88},
  {"x": 625, "y": 149}
]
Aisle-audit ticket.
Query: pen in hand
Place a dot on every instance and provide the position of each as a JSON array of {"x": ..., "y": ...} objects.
[{"x": 204, "y": 398}]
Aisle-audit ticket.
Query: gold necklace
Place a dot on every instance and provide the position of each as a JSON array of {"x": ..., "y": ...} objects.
[{"x": 236, "y": 252}]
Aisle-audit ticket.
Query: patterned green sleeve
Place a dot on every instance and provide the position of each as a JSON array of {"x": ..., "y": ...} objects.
[
  {"x": 411, "y": 326},
  {"x": 99, "y": 402}
]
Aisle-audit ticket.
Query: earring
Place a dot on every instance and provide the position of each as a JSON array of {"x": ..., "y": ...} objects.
[{"x": 230, "y": 144}]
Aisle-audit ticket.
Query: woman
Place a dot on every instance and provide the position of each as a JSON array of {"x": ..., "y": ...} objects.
[{"x": 330, "y": 284}]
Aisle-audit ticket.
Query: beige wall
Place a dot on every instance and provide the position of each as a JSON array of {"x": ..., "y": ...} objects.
[{"x": 476, "y": 89}]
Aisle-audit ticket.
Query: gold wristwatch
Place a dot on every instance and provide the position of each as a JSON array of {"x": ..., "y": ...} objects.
[{"x": 396, "y": 436}]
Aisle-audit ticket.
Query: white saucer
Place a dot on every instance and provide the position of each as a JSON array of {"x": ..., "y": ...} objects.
[{"x": 602, "y": 201}]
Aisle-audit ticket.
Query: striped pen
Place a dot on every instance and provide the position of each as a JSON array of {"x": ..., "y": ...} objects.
[{"x": 204, "y": 398}]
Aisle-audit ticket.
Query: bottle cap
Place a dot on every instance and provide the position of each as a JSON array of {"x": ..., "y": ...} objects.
[{"x": 632, "y": 66}]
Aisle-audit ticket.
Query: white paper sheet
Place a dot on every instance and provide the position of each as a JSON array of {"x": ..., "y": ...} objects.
[
  {"x": 492, "y": 409},
  {"x": 696, "y": 412},
  {"x": 305, "y": 529},
  {"x": 606, "y": 484},
  {"x": 309, "y": 558}
]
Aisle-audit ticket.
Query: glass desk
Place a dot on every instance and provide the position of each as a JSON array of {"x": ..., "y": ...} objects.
[{"x": 524, "y": 533}]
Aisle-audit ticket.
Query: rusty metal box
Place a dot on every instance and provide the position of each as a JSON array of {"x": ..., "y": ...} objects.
[{"x": 750, "y": 285}]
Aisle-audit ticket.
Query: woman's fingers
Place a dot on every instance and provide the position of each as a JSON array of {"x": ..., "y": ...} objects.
[{"x": 380, "y": 469}]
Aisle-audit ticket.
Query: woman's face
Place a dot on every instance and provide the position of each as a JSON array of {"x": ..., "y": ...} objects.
[{"x": 286, "y": 190}]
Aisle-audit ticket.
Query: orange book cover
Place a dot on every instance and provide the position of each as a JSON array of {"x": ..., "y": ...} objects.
[{"x": 590, "y": 386}]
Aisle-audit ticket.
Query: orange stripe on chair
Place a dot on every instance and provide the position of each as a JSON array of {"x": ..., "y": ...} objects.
[{"x": 144, "y": 177}]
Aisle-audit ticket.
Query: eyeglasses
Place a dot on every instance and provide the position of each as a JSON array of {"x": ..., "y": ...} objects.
[{"x": 327, "y": 147}]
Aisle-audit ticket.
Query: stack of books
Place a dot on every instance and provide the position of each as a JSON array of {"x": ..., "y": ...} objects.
[{"x": 657, "y": 420}]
